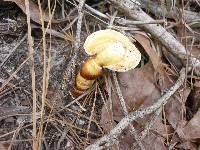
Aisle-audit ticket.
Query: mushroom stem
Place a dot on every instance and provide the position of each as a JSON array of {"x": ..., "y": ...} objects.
[
  {"x": 92, "y": 67},
  {"x": 89, "y": 71}
]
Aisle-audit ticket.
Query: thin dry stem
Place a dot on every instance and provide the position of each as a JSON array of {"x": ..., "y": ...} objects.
[
  {"x": 15, "y": 135},
  {"x": 44, "y": 84},
  {"x": 32, "y": 71},
  {"x": 92, "y": 112}
]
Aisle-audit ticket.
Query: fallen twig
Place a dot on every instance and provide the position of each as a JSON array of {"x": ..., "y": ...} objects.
[
  {"x": 71, "y": 66},
  {"x": 130, "y": 22},
  {"x": 125, "y": 111},
  {"x": 112, "y": 137},
  {"x": 98, "y": 13},
  {"x": 79, "y": 24},
  {"x": 155, "y": 9}
]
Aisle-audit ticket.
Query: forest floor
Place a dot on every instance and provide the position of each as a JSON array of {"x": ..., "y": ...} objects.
[{"x": 155, "y": 106}]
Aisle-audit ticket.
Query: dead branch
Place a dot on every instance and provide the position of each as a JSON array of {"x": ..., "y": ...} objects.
[
  {"x": 160, "y": 33},
  {"x": 112, "y": 137},
  {"x": 158, "y": 11},
  {"x": 130, "y": 22},
  {"x": 79, "y": 24},
  {"x": 98, "y": 13}
]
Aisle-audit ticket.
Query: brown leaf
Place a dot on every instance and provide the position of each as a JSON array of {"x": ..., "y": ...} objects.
[
  {"x": 187, "y": 37},
  {"x": 107, "y": 122},
  {"x": 4, "y": 146},
  {"x": 149, "y": 47},
  {"x": 34, "y": 11},
  {"x": 194, "y": 99},
  {"x": 161, "y": 128},
  {"x": 187, "y": 146},
  {"x": 172, "y": 59},
  {"x": 139, "y": 89},
  {"x": 191, "y": 131},
  {"x": 153, "y": 142},
  {"x": 197, "y": 83}
]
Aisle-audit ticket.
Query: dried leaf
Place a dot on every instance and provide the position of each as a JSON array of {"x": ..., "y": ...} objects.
[
  {"x": 4, "y": 146},
  {"x": 187, "y": 146},
  {"x": 191, "y": 131},
  {"x": 107, "y": 122},
  {"x": 34, "y": 11},
  {"x": 161, "y": 128},
  {"x": 149, "y": 47},
  {"x": 138, "y": 87},
  {"x": 187, "y": 37},
  {"x": 154, "y": 142},
  {"x": 173, "y": 60},
  {"x": 194, "y": 99}
]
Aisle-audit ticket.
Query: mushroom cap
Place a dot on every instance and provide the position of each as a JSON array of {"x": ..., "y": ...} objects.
[{"x": 102, "y": 39}]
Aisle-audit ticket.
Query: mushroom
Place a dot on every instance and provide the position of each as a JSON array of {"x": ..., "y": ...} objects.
[{"x": 107, "y": 49}]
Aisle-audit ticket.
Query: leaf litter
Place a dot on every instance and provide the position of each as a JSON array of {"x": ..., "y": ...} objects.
[{"x": 177, "y": 126}]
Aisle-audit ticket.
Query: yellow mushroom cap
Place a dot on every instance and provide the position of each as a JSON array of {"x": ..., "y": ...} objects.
[{"x": 101, "y": 40}]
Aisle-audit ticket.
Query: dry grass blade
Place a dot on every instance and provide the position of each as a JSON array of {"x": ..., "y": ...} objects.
[
  {"x": 15, "y": 135},
  {"x": 44, "y": 78},
  {"x": 31, "y": 51},
  {"x": 92, "y": 113},
  {"x": 153, "y": 106}
]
